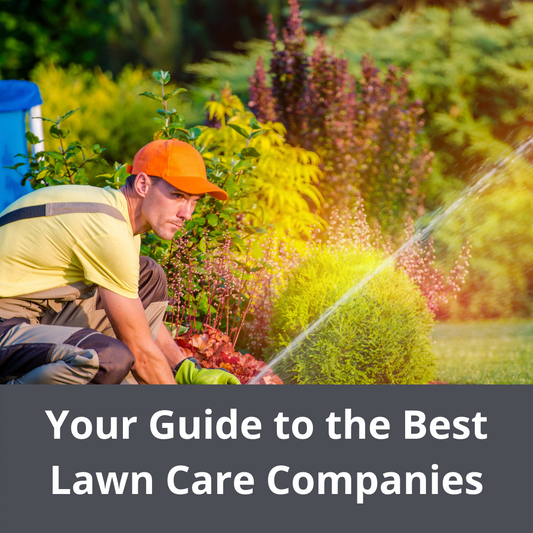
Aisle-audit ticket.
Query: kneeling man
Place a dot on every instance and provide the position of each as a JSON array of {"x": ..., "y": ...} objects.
[{"x": 77, "y": 305}]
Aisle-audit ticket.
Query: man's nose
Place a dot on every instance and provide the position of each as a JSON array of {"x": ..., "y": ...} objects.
[{"x": 186, "y": 210}]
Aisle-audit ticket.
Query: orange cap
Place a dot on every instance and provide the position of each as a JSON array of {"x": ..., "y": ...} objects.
[{"x": 178, "y": 163}]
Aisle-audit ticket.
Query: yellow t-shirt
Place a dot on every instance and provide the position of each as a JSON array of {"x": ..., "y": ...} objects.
[{"x": 44, "y": 253}]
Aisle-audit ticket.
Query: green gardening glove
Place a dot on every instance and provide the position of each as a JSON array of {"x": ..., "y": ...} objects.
[{"x": 189, "y": 372}]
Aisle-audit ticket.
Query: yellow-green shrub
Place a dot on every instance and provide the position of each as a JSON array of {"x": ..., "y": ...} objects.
[
  {"x": 284, "y": 179},
  {"x": 381, "y": 335},
  {"x": 112, "y": 114}
]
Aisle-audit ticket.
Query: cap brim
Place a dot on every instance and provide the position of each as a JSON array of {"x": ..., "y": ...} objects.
[{"x": 196, "y": 185}]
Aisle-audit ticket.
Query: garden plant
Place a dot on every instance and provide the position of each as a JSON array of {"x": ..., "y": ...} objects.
[
  {"x": 366, "y": 131},
  {"x": 382, "y": 335}
]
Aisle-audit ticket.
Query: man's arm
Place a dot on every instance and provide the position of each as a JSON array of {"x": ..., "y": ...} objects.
[
  {"x": 131, "y": 327},
  {"x": 170, "y": 349}
]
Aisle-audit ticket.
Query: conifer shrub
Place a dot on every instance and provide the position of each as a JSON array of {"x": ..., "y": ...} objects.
[{"x": 380, "y": 335}]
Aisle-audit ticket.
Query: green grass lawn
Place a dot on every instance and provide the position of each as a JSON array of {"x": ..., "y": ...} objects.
[{"x": 493, "y": 352}]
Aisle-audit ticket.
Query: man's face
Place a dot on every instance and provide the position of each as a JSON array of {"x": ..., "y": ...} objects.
[{"x": 166, "y": 208}]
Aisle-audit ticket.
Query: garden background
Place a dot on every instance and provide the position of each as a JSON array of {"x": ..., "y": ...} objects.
[{"x": 338, "y": 128}]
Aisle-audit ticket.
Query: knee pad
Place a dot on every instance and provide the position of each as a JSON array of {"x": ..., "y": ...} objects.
[{"x": 115, "y": 358}]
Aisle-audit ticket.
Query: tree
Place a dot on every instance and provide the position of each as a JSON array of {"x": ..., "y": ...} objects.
[{"x": 61, "y": 31}]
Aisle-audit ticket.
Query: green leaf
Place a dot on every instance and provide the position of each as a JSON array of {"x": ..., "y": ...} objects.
[
  {"x": 257, "y": 132},
  {"x": 199, "y": 221},
  {"x": 97, "y": 160},
  {"x": 201, "y": 245},
  {"x": 16, "y": 166},
  {"x": 254, "y": 124},
  {"x": 177, "y": 121},
  {"x": 203, "y": 303},
  {"x": 121, "y": 171},
  {"x": 58, "y": 133},
  {"x": 162, "y": 77},
  {"x": 97, "y": 149},
  {"x": 152, "y": 96},
  {"x": 72, "y": 152},
  {"x": 175, "y": 92},
  {"x": 120, "y": 174},
  {"x": 66, "y": 115},
  {"x": 182, "y": 329},
  {"x": 32, "y": 139},
  {"x": 180, "y": 134},
  {"x": 250, "y": 152},
  {"x": 179, "y": 126},
  {"x": 240, "y": 130},
  {"x": 195, "y": 133},
  {"x": 243, "y": 165},
  {"x": 160, "y": 121},
  {"x": 212, "y": 220},
  {"x": 237, "y": 240},
  {"x": 47, "y": 120}
]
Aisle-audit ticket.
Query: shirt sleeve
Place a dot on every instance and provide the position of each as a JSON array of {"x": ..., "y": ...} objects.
[{"x": 111, "y": 262}]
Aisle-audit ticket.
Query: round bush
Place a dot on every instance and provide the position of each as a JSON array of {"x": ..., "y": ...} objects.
[{"x": 381, "y": 335}]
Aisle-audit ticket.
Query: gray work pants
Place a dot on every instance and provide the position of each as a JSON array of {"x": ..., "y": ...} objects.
[{"x": 63, "y": 335}]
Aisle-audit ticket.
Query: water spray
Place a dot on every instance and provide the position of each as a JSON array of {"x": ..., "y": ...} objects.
[{"x": 420, "y": 235}]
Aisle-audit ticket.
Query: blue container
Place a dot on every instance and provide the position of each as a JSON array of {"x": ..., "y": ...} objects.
[{"x": 17, "y": 97}]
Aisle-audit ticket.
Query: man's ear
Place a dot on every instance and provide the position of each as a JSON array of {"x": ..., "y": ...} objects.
[{"x": 142, "y": 184}]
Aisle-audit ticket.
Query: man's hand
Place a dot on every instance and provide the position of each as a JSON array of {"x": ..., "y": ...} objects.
[
  {"x": 131, "y": 327},
  {"x": 189, "y": 374}
]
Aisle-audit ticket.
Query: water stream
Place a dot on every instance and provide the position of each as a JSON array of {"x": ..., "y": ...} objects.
[{"x": 487, "y": 178}]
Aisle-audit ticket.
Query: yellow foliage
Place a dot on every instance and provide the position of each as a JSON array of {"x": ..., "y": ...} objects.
[
  {"x": 227, "y": 106},
  {"x": 285, "y": 177}
]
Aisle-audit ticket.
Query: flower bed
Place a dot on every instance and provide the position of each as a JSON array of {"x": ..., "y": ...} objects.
[{"x": 213, "y": 349}]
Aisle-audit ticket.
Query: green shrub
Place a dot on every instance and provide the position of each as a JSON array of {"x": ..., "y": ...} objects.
[
  {"x": 381, "y": 335},
  {"x": 498, "y": 222}
]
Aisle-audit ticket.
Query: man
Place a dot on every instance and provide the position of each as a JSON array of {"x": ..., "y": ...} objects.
[{"x": 76, "y": 303}]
